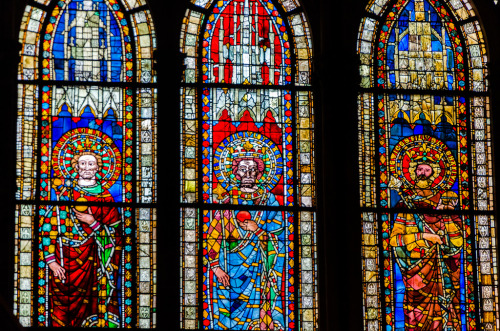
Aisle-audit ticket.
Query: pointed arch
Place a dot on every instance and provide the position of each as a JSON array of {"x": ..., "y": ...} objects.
[
  {"x": 87, "y": 93},
  {"x": 246, "y": 100},
  {"x": 423, "y": 84}
]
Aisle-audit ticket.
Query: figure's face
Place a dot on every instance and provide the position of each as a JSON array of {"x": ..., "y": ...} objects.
[
  {"x": 248, "y": 172},
  {"x": 423, "y": 171},
  {"x": 87, "y": 167}
]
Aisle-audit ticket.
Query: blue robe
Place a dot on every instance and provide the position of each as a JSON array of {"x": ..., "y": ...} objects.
[{"x": 255, "y": 263}]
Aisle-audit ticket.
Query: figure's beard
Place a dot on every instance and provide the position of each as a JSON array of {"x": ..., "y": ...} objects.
[
  {"x": 248, "y": 183},
  {"x": 423, "y": 182},
  {"x": 87, "y": 175}
]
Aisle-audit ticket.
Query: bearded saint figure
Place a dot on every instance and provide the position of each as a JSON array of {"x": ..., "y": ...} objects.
[
  {"x": 246, "y": 253},
  {"x": 84, "y": 255},
  {"x": 428, "y": 249}
]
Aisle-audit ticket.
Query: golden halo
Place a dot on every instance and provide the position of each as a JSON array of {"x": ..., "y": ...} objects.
[
  {"x": 423, "y": 149},
  {"x": 87, "y": 140},
  {"x": 246, "y": 144}
]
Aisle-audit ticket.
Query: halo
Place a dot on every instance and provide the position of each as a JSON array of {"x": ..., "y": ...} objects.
[
  {"x": 418, "y": 149},
  {"x": 247, "y": 144},
  {"x": 91, "y": 141}
]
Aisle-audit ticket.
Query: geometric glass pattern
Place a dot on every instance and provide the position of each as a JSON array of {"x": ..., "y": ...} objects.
[
  {"x": 248, "y": 205},
  {"x": 86, "y": 172},
  {"x": 426, "y": 180}
]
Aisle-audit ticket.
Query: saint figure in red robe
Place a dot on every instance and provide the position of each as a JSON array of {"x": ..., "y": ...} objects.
[{"x": 82, "y": 248}]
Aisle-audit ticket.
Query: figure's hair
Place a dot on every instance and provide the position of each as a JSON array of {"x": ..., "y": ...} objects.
[
  {"x": 78, "y": 155},
  {"x": 259, "y": 162}
]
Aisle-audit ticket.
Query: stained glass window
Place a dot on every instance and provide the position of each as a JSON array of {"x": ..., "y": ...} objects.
[
  {"x": 426, "y": 184},
  {"x": 86, "y": 174},
  {"x": 248, "y": 216}
]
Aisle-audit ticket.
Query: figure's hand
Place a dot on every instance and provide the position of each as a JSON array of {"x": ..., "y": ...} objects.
[
  {"x": 84, "y": 217},
  {"x": 249, "y": 225},
  {"x": 58, "y": 271},
  {"x": 450, "y": 205},
  {"x": 222, "y": 276},
  {"x": 433, "y": 238}
]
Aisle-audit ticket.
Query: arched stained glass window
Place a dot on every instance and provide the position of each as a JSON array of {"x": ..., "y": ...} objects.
[
  {"x": 428, "y": 222},
  {"x": 86, "y": 174},
  {"x": 248, "y": 190}
]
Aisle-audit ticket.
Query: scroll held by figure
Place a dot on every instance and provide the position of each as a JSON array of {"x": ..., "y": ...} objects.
[{"x": 427, "y": 237}]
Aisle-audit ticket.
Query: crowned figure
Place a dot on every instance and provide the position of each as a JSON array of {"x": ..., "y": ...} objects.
[
  {"x": 427, "y": 243},
  {"x": 246, "y": 248},
  {"x": 82, "y": 243}
]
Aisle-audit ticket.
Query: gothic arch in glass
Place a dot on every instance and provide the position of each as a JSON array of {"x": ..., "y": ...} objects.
[
  {"x": 86, "y": 173},
  {"x": 247, "y": 142},
  {"x": 426, "y": 183}
]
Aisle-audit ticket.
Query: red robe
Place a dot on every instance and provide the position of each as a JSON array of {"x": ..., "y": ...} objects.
[{"x": 76, "y": 302}]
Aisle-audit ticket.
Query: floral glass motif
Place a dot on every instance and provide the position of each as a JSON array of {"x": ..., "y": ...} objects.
[
  {"x": 86, "y": 252},
  {"x": 244, "y": 123},
  {"x": 429, "y": 258}
]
